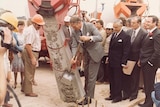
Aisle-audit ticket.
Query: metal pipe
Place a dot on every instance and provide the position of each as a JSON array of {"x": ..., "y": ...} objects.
[
  {"x": 83, "y": 103},
  {"x": 88, "y": 101}
]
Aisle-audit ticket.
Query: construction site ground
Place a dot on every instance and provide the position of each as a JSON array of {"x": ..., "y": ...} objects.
[{"x": 48, "y": 94}]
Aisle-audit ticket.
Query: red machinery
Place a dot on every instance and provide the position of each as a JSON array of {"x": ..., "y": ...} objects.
[
  {"x": 57, "y": 8},
  {"x": 129, "y": 8}
]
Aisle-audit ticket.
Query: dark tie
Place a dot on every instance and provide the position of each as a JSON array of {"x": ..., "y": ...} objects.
[
  {"x": 133, "y": 36},
  {"x": 115, "y": 35},
  {"x": 68, "y": 30},
  {"x": 80, "y": 32}
]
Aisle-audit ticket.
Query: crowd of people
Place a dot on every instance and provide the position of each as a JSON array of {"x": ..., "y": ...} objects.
[
  {"x": 106, "y": 51},
  {"x": 20, "y": 46}
]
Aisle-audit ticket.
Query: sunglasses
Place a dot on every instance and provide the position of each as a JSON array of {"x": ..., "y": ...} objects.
[
  {"x": 93, "y": 23},
  {"x": 37, "y": 25},
  {"x": 109, "y": 29}
]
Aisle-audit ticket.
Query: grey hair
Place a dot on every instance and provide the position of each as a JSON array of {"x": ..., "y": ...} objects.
[
  {"x": 75, "y": 19},
  {"x": 119, "y": 22}
]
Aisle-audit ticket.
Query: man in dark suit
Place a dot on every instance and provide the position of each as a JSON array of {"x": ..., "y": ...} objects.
[
  {"x": 89, "y": 38},
  {"x": 117, "y": 58},
  {"x": 137, "y": 35},
  {"x": 150, "y": 58}
]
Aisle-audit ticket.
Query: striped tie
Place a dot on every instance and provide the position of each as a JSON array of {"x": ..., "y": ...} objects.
[{"x": 133, "y": 36}]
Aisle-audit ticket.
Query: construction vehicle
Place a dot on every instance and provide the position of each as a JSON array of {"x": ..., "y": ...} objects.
[
  {"x": 54, "y": 12},
  {"x": 130, "y": 8}
]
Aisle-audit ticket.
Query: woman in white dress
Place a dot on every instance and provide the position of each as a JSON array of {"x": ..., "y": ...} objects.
[{"x": 17, "y": 63}]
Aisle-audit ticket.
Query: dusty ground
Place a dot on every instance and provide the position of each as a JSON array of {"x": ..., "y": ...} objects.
[{"x": 48, "y": 95}]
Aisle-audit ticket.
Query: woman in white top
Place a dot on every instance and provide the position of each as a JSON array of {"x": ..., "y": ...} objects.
[{"x": 17, "y": 63}]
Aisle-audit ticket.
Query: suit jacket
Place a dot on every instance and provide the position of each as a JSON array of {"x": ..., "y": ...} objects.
[
  {"x": 150, "y": 50},
  {"x": 65, "y": 31},
  {"x": 119, "y": 49},
  {"x": 94, "y": 48},
  {"x": 134, "y": 53}
]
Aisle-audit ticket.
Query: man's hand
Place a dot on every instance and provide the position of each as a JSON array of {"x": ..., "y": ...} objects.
[
  {"x": 34, "y": 61},
  {"x": 73, "y": 60},
  {"x": 106, "y": 62},
  {"x": 85, "y": 38},
  {"x": 138, "y": 63}
]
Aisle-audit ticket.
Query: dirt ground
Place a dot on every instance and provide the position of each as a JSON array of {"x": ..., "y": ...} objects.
[{"x": 48, "y": 95}]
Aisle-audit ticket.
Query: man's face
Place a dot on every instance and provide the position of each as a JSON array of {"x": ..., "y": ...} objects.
[
  {"x": 76, "y": 26},
  {"x": 134, "y": 24},
  {"x": 116, "y": 27},
  {"x": 149, "y": 23},
  {"x": 98, "y": 25},
  {"x": 37, "y": 27},
  {"x": 67, "y": 23}
]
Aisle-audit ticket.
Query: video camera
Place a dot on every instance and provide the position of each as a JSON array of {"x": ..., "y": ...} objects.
[{"x": 10, "y": 46}]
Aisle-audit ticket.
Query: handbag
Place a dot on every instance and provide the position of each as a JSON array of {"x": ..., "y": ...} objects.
[{"x": 157, "y": 90}]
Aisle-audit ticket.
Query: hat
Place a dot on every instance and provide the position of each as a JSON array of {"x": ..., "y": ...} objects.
[
  {"x": 38, "y": 19},
  {"x": 10, "y": 18},
  {"x": 109, "y": 25},
  {"x": 67, "y": 19},
  {"x": 92, "y": 19}
]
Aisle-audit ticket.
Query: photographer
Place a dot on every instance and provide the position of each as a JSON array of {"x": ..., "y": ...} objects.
[
  {"x": 84, "y": 16},
  {"x": 8, "y": 23}
]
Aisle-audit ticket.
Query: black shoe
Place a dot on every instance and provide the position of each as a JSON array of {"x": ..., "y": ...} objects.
[
  {"x": 125, "y": 98},
  {"x": 108, "y": 98},
  {"x": 141, "y": 105},
  {"x": 132, "y": 98},
  {"x": 116, "y": 100},
  {"x": 85, "y": 101},
  {"x": 81, "y": 73}
]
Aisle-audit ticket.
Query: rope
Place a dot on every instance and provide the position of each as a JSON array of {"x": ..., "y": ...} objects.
[
  {"x": 58, "y": 48},
  {"x": 65, "y": 43}
]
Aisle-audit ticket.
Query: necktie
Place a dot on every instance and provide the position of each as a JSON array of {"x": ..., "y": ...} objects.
[
  {"x": 80, "y": 32},
  {"x": 133, "y": 36},
  {"x": 68, "y": 31},
  {"x": 115, "y": 35}
]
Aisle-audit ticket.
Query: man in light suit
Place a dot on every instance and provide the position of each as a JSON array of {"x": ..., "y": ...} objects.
[
  {"x": 117, "y": 58},
  {"x": 89, "y": 38},
  {"x": 137, "y": 35},
  {"x": 150, "y": 58},
  {"x": 67, "y": 30}
]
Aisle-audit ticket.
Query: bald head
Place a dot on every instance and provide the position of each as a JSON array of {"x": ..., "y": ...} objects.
[{"x": 117, "y": 25}]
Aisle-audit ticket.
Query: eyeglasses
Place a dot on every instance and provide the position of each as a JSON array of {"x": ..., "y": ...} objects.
[
  {"x": 38, "y": 25},
  {"x": 109, "y": 29}
]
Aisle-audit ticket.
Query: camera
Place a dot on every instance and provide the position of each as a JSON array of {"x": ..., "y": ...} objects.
[
  {"x": 10, "y": 46},
  {"x": 83, "y": 13}
]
